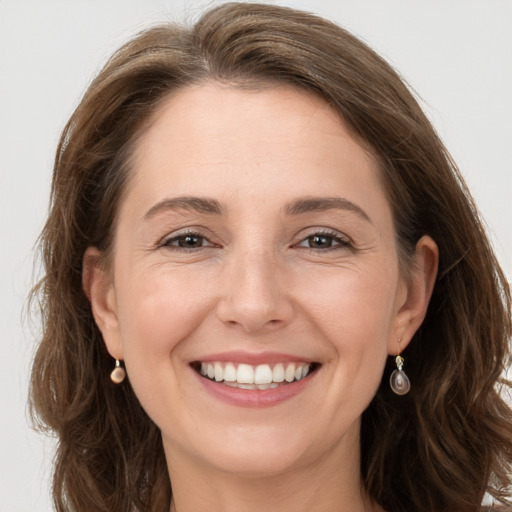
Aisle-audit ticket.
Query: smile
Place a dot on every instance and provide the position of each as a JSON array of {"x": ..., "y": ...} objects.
[{"x": 259, "y": 377}]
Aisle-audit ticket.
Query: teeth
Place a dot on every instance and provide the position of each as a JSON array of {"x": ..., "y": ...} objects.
[
  {"x": 219, "y": 373},
  {"x": 230, "y": 373},
  {"x": 289, "y": 374},
  {"x": 278, "y": 373},
  {"x": 245, "y": 374},
  {"x": 262, "y": 376},
  {"x": 246, "y": 386},
  {"x": 272, "y": 385}
]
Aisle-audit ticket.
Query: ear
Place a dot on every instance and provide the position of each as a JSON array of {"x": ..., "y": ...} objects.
[
  {"x": 98, "y": 286},
  {"x": 415, "y": 293}
]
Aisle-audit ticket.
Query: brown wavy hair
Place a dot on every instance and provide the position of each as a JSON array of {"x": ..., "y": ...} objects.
[{"x": 441, "y": 447}]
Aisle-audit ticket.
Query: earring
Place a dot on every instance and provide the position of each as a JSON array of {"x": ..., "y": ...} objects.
[
  {"x": 118, "y": 373},
  {"x": 399, "y": 382}
]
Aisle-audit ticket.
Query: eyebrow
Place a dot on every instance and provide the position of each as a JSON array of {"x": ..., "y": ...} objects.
[
  {"x": 297, "y": 207},
  {"x": 197, "y": 204},
  {"x": 321, "y": 204}
]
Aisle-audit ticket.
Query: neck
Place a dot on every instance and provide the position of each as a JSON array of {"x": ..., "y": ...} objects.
[
  {"x": 270, "y": 498},
  {"x": 331, "y": 483}
]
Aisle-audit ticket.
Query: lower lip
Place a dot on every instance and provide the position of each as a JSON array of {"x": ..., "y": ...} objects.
[{"x": 255, "y": 397}]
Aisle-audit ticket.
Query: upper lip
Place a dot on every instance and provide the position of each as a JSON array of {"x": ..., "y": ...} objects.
[{"x": 242, "y": 357}]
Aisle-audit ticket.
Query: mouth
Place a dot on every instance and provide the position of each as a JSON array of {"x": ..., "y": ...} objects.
[{"x": 254, "y": 377}]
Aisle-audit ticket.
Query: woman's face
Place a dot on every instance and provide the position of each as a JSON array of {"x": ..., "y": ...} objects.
[{"x": 255, "y": 241}]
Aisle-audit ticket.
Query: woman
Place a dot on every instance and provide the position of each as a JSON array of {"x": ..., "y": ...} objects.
[{"x": 256, "y": 233}]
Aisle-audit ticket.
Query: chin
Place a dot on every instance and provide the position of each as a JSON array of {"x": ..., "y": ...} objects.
[
  {"x": 258, "y": 463},
  {"x": 251, "y": 451}
]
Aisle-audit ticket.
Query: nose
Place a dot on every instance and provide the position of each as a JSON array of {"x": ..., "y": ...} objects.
[{"x": 254, "y": 296}]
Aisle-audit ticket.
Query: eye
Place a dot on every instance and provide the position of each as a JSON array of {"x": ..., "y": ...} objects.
[
  {"x": 324, "y": 241},
  {"x": 319, "y": 241},
  {"x": 189, "y": 240}
]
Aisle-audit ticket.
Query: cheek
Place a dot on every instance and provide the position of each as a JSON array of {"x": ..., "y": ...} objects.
[
  {"x": 156, "y": 313},
  {"x": 354, "y": 302},
  {"x": 354, "y": 313},
  {"x": 157, "y": 310}
]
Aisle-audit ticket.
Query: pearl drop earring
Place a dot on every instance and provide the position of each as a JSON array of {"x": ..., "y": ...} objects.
[
  {"x": 399, "y": 382},
  {"x": 118, "y": 373}
]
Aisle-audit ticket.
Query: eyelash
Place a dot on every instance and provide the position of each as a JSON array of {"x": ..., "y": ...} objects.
[
  {"x": 341, "y": 242},
  {"x": 168, "y": 243}
]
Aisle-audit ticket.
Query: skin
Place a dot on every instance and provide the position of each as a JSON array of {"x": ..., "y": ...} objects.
[{"x": 256, "y": 280}]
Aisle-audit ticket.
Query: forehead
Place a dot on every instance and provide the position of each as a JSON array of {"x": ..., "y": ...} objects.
[
  {"x": 238, "y": 113},
  {"x": 230, "y": 141}
]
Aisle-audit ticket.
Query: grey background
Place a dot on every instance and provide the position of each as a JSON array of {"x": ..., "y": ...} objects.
[{"x": 457, "y": 54}]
